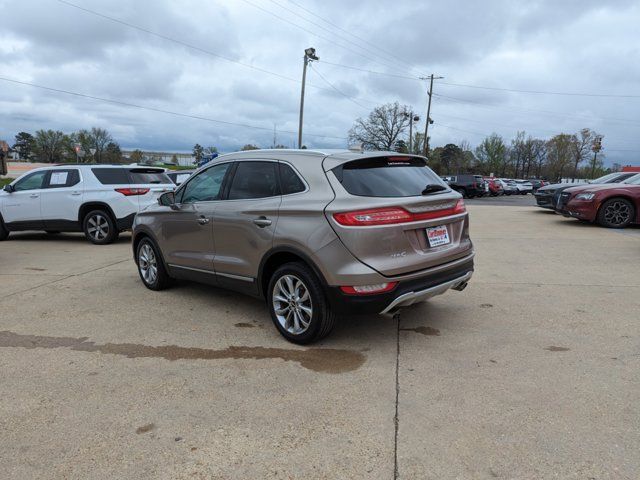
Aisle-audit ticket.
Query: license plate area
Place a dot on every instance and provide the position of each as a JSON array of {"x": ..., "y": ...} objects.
[{"x": 437, "y": 236}]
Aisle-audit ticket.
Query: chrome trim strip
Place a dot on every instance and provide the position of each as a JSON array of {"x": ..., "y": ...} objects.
[
  {"x": 427, "y": 271},
  {"x": 228, "y": 275},
  {"x": 235, "y": 277},
  {"x": 172, "y": 265},
  {"x": 410, "y": 298}
]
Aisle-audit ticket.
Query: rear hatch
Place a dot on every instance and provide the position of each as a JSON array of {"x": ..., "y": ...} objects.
[
  {"x": 395, "y": 214},
  {"x": 148, "y": 184}
]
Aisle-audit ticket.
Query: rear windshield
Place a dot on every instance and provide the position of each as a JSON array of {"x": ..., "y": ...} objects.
[
  {"x": 123, "y": 176},
  {"x": 387, "y": 177}
]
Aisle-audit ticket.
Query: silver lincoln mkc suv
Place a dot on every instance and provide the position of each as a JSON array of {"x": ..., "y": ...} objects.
[{"x": 315, "y": 233}]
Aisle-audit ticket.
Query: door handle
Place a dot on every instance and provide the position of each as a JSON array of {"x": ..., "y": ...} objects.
[
  {"x": 76, "y": 193},
  {"x": 34, "y": 195},
  {"x": 262, "y": 222},
  {"x": 203, "y": 220}
]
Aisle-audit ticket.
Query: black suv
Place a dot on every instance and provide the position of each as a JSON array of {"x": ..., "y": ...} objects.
[{"x": 468, "y": 185}]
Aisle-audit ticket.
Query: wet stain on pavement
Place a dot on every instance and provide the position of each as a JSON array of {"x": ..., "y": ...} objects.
[
  {"x": 145, "y": 428},
  {"x": 244, "y": 325},
  {"x": 553, "y": 348},
  {"x": 36, "y": 269},
  {"x": 486, "y": 305},
  {"x": 325, "y": 360},
  {"x": 423, "y": 330}
]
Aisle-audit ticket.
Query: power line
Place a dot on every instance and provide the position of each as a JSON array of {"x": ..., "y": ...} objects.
[
  {"x": 540, "y": 92},
  {"x": 304, "y": 29},
  {"x": 351, "y": 99},
  {"x": 159, "y": 110},
  {"x": 392, "y": 59},
  {"x": 391, "y": 54},
  {"x": 396, "y": 75},
  {"x": 535, "y": 110}
]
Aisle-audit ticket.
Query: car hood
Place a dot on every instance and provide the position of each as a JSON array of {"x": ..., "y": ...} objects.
[{"x": 604, "y": 187}]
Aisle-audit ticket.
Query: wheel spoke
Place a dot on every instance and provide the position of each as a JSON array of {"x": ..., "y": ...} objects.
[{"x": 291, "y": 303}]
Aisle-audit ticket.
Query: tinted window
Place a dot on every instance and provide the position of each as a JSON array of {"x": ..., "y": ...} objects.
[
  {"x": 63, "y": 178},
  {"x": 387, "y": 177},
  {"x": 33, "y": 181},
  {"x": 254, "y": 180},
  {"x": 289, "y": 180},
  {"x": 148, "y": 175},
  {"x": 205, "y": 186},
  {"x": 111, "y": 176},
  {"x": 123, "y": 176}
]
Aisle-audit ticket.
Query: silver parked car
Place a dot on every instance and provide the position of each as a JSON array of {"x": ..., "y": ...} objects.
[{"x": 315, "y": 233}]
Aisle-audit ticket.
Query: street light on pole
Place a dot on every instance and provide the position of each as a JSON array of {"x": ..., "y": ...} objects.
[
  {"x": 309, "y": 56},
  {"x": 412, "y": 118}
]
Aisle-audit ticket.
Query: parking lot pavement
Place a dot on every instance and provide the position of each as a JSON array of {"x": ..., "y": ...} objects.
[{"x": 531, "y": 372}]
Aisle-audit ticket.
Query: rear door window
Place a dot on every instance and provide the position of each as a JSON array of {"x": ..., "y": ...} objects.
[
  {"x": 290, "y": 181},
  {"x": 63, "y": 178},
  {"x": 387, "y": 177},
  {"x": 254, "y": 180}
]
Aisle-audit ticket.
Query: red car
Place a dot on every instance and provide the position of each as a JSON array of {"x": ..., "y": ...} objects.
[
  {"x": 495, "y": 187},
  {"x": 614, "y": 205}
]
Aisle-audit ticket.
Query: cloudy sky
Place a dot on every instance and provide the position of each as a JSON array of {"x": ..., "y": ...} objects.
[{"x": 240, "y": 61}]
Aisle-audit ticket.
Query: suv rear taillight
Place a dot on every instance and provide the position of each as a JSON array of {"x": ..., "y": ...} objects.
[
  {"x": 369, "y": 289},
  {"x": 393, "y": 215},
  {"x": 127, "y": 192}
]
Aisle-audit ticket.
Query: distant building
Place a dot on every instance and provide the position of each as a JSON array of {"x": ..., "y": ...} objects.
[
  {"x": 629, "y": 168},
  {"x": 183, "y": 159}
]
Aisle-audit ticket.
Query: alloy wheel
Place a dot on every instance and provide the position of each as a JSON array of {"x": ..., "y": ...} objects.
[
  {"x": 617, "y": 213},
  {"x": 292, "y": 304},
  {"x": 98, "y": 227},
  {"x": 148, "y": 264}
]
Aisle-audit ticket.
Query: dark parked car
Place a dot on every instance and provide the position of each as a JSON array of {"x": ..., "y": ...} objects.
[
  {"x": 611, "y": 205},
  {"x": 468, "y": 186},
  {"x": 179, "y": 176},
  {"x": 537, "y": 183},
  {"x": 549, "y": 195}
]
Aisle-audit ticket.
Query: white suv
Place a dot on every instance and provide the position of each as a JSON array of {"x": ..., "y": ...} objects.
[{"x": 100, "y": 200}]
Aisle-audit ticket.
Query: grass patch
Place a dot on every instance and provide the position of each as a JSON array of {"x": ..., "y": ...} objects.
[{"x": 5, "y": 181}]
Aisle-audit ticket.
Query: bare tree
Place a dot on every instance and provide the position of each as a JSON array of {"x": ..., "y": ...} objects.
[
  {"x": 581, "y": 145},
  {"x": 560, "y": 154},
  {"x": 381, "y": 129}
]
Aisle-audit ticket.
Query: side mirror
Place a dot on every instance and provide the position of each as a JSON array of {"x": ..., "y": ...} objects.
[
  {"x": 9, "y": 188},
  {"x": 167, "y": 199}
]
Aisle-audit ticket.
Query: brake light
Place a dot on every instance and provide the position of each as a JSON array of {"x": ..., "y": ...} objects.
[
  {"x": 128, "y": 192},
  {"x": 393, "y": 215},
  {"x": 369, "y": 289}
]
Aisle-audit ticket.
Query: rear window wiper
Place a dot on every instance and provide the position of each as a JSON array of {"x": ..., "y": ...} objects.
[{"x": 433, "y": 188}]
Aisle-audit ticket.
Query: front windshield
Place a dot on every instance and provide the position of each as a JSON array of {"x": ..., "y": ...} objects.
[
  {"x": 605, "y": 178},
  {"x": 635, "y": 180}
]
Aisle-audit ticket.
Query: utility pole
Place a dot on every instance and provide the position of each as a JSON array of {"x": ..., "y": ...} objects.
[
  {"x": 412, "y": 118},
  {"x": 597, "y": 146},
  {"x": 429, "y": 119},
  {"x": 309, "y": 56}
]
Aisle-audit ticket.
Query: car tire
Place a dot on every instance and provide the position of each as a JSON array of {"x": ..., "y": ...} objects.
[
  {"x": 616, "y": 213},
  {"x": 151, "y": 267},
  {"x": 295, "y": 296},
  {"x": 4, "y": 233},
  {"x": 99, "y": 227}
]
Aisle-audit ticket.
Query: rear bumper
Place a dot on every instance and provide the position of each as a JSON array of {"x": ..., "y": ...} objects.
[
  {"x": 125, "y": 223},
  {"x": 406, "y": 293}
]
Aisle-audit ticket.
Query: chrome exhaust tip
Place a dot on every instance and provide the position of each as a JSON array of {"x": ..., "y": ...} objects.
[{"x": 461, "y": 286}]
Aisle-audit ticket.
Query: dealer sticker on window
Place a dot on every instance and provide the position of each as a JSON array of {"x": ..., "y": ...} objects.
[{"x": 438, "y": 236}]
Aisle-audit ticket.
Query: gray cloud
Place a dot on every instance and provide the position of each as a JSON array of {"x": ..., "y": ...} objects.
[{"x": 577, "y": 46}]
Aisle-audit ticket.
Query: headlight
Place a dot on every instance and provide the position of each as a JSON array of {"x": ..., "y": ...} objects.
[{"x": 585, "y": 196}]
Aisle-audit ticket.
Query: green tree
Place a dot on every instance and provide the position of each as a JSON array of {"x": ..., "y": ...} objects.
[
  {"x": 24, "y": 144},
  {"x": 249, "y": 146},
  {"x": 50, "y": 145},
  {"x": 211, "y": 150},
  {"x": 560, "y": 154},
  {"x": 198, "y": 152},
  {"x": 452, "y": 158},
  {"x": 112, "y": 153},
  {"x": 136, "y": 156},
  {"x": 492, "y": 155},
  {"x": 401, "y": 146},
  {"x": 382, "y": 128}
]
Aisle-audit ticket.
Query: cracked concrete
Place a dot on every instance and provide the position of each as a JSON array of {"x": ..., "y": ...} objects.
[{"x": 531, "y": 372}]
